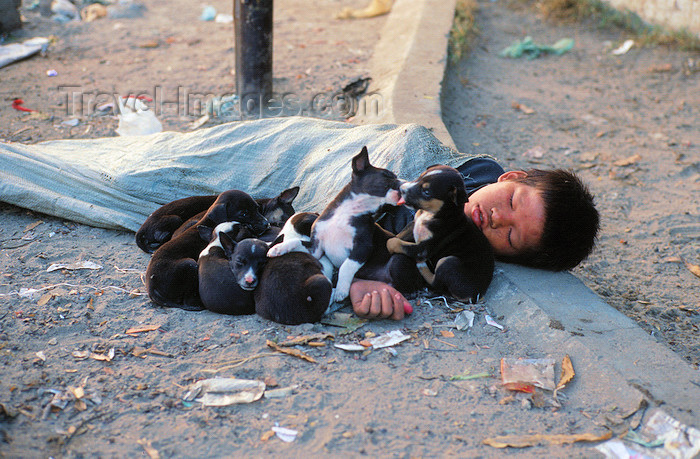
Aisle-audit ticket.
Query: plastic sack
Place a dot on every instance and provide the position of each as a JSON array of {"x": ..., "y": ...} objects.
[{"x": 117, "y": 182}]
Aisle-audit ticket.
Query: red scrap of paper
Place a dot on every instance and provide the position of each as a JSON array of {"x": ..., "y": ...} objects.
[
  {"x": 139, "y": 97},
  {"x": 18, "y": 104}
]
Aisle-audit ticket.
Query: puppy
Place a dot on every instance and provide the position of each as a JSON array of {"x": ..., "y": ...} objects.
[
  {"x": 452, "y": 254},
  {"x": 164, "y": 221},
  {"x": 293, "y": 289},
  {"x": 228, "y": 271},
  {"x": 298, "y": 229},
  {"x": 277, "y": 210},
  {"x": 172, "y": 219},
  {"x": 342, "y": 236},
  {"x": 172, "y": 273}
]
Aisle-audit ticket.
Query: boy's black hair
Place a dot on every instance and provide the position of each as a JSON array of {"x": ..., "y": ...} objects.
[{"x": 571, "y": 221}]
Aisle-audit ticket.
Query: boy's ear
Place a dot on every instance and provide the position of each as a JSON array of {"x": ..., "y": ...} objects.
[{"x": 512, "y": 175}]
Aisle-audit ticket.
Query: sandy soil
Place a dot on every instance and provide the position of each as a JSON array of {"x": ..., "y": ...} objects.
[{"x": 90, "y": 367}]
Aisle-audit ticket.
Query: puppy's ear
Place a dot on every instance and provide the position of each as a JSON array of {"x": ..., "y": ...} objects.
[
  {"x": 361, "y": 161},
  {"x": 457, "y": 195},
  {"x": 217, "y": 213},
  {"x": 278, "y": 240},
  {"x": 228, "y": 244},
  {"x": 452, "y": 195},
  {"x": 287, "y": 196},
  {"x": 205, "y": 232}
]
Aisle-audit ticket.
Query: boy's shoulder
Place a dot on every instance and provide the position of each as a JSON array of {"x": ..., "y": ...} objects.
[{"x": 479, "y": 171}]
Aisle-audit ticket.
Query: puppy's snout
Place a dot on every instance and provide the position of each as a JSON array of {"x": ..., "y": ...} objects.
[
  {"x": 249, "y": 281},
  {"x": 262, "y": 226}
]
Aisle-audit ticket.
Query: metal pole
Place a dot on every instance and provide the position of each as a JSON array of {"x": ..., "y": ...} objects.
[{"x": 253, "y": 34}]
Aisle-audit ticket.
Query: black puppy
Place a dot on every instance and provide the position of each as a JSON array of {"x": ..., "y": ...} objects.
[
  {"x": 452, "y": 254},
  {"x": 293, "y": 289},
  {"x": 171, "y": 276},
  {"x": 164, "y": 221},
  {"x": 228, "y": 271},
  {"x": 172, "y": 219}
]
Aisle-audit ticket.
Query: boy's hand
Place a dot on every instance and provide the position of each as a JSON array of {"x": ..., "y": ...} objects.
[{"x": 377, "y": 300}]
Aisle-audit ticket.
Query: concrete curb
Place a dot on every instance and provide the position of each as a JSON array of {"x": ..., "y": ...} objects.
[
  {"x": 552, "y": 312},
  {"x": 408, "y": 65}
]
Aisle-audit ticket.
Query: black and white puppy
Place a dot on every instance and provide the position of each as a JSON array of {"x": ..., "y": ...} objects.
[
  {"x": 452, "y": 254},
  {"x": 228, "y": 270},
  {"x": 172, "y": 219},
  {"x": 293, "y": 289},
  {"x": 342, "y": 236},
  {"x": 172, "y": 273}
]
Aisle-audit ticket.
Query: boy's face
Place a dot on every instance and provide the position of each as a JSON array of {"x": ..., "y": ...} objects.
[{"x": 510, "y": 214}]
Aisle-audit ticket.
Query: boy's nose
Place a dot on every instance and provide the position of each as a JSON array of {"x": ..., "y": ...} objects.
[{"x": 498, "y": 218}]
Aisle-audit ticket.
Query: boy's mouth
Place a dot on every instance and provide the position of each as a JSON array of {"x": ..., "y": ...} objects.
[{"x": 477, "y": 217}]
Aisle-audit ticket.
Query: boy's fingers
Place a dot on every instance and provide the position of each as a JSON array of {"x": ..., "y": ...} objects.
[
  {"x": 362, "y": 308},
  {"x": 388, "y": 306},
  {"x": 397, "y": 306},
  {"x": 375, "y": 309}
]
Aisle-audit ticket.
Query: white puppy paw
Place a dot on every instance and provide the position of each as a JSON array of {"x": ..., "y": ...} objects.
[
  {"x": 340, "y": 294},
  {"x": 285, "y": 247}
]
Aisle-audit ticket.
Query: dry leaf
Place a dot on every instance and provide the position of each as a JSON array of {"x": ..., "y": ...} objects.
[
  {"x": 103, "y": 357},
  {"x": 695, "y": 269},
  {"x": 80, "y": 355},
  {"x": 31, "y": 226},
  {"x": 78, "y": 392},
  {"x": 150, "y": 450},
  {"x": 306, "y": 339},
  {"x": 567, "y": 372},
  {"x": 661, "y": 68},
  {"x": 523, "y": 108},
  {"x": 141, "y": 329},
  {"x": 523, "y": 441},
  {"x": 447, "y": 334},
  {"x": 45, "y": 298},
  {"x": 627, "y": 161},
  {"x": 292, "y": 352},
  {"x": 80, "y": 405}
]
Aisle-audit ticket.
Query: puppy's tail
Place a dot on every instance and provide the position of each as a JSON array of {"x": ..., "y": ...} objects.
[{"x": 317, "y": 294}]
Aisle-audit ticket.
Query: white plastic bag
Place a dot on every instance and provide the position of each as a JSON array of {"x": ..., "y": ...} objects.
[{"x": 136, "y": 119}]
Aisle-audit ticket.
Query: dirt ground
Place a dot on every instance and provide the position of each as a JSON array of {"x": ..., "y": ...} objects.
[
  {"x": 90, "y": 367},
  {"x": 627, "y": 124}
]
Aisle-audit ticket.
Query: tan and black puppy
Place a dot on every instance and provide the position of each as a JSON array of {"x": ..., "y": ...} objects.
[
  {"x": 172, "y": 219},
  {"x": 452, "y": 254},
  {"x": 172, "y": 273}
]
